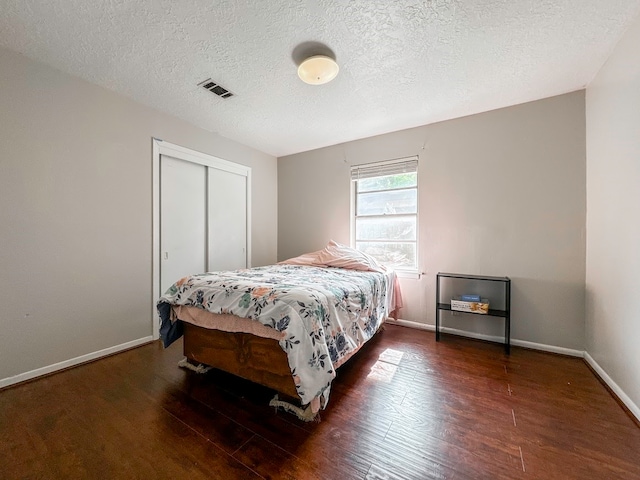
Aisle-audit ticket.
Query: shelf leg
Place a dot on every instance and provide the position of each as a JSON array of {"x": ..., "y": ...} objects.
[
  {"x": 437, "y": 309},
  {"x": 507, "y": 335},
  {"x": 507, "y": 320}
]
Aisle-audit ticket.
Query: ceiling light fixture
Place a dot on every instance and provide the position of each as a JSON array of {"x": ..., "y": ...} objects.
[{"x": 318, "y": 70}]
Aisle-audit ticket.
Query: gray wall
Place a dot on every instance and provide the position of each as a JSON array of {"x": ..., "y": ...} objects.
[
  {"x": 501, "y": 193},
  {"x": 76, "y": 211},
  {"x": 613, "y": 203}
]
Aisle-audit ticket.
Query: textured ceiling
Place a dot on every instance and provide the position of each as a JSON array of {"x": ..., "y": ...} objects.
[{"x": 403, "y": 63}]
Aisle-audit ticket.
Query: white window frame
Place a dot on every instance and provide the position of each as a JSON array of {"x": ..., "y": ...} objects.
[{"x": 369, "y": 169}]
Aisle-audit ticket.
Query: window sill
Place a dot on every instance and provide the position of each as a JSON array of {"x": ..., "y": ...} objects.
[{"x": 412, "y": 274}]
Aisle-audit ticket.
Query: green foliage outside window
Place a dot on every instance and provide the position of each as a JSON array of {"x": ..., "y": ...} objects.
[{"x": 386, "y": 218}]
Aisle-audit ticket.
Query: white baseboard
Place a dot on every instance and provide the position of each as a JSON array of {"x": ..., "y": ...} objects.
[
  {"x": 548, "y": 348},
  {"x": 410, "y": 324},
  {"x": 624, "y": 398},
  {"x": 22, "y": 377},
  {"x": 490, "y": 338}
]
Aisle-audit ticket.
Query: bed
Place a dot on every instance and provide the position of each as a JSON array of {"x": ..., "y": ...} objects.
[{"x": 287, "y": 326}]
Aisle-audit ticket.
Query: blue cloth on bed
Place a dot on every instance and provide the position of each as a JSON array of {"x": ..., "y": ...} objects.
[{"x": 169, "y": 331}]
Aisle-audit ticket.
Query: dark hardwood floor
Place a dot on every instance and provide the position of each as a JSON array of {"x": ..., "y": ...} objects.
[{"x": 404, "y": 407}]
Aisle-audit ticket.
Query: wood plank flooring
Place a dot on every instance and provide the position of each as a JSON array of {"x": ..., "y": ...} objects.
[{"x": 405, "y": 407}]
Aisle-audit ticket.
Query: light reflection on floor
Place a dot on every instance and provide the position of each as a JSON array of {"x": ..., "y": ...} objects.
[{"x": 386, "y": 366}]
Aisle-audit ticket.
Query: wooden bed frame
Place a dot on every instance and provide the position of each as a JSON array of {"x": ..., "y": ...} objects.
[{"x": 258, "y": 359}]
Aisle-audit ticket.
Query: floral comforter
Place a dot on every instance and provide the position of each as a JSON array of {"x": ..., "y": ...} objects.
[{"x": 326, "y": 314}]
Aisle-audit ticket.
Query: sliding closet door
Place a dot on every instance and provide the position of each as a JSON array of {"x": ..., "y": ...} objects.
[
  {"x": 183, "y": 219},
  {"x": 227, "y": 220},
  {"x": 201, "y": 216}
]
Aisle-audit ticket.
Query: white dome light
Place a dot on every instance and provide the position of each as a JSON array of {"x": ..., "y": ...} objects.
[{"x": 318, "y": 70}]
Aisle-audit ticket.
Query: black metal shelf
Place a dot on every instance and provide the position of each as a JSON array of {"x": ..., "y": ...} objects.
[
  {"x": 473, "y": 277},
  {"x": 506, "y": 313}
]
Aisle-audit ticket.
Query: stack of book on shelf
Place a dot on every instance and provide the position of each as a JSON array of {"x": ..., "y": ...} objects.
[{"x": 470, "y": 303}]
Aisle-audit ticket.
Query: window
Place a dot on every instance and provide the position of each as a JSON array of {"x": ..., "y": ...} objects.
[{"x": 385, "y": 213}]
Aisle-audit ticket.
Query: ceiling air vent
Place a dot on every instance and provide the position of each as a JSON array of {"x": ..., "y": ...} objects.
[{"x": 213, "y": 87}]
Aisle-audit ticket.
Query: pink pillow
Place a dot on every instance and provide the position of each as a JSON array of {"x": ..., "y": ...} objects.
[
  {"x": 339, "y": 256},
  {"x": 304, "y": 259}
]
